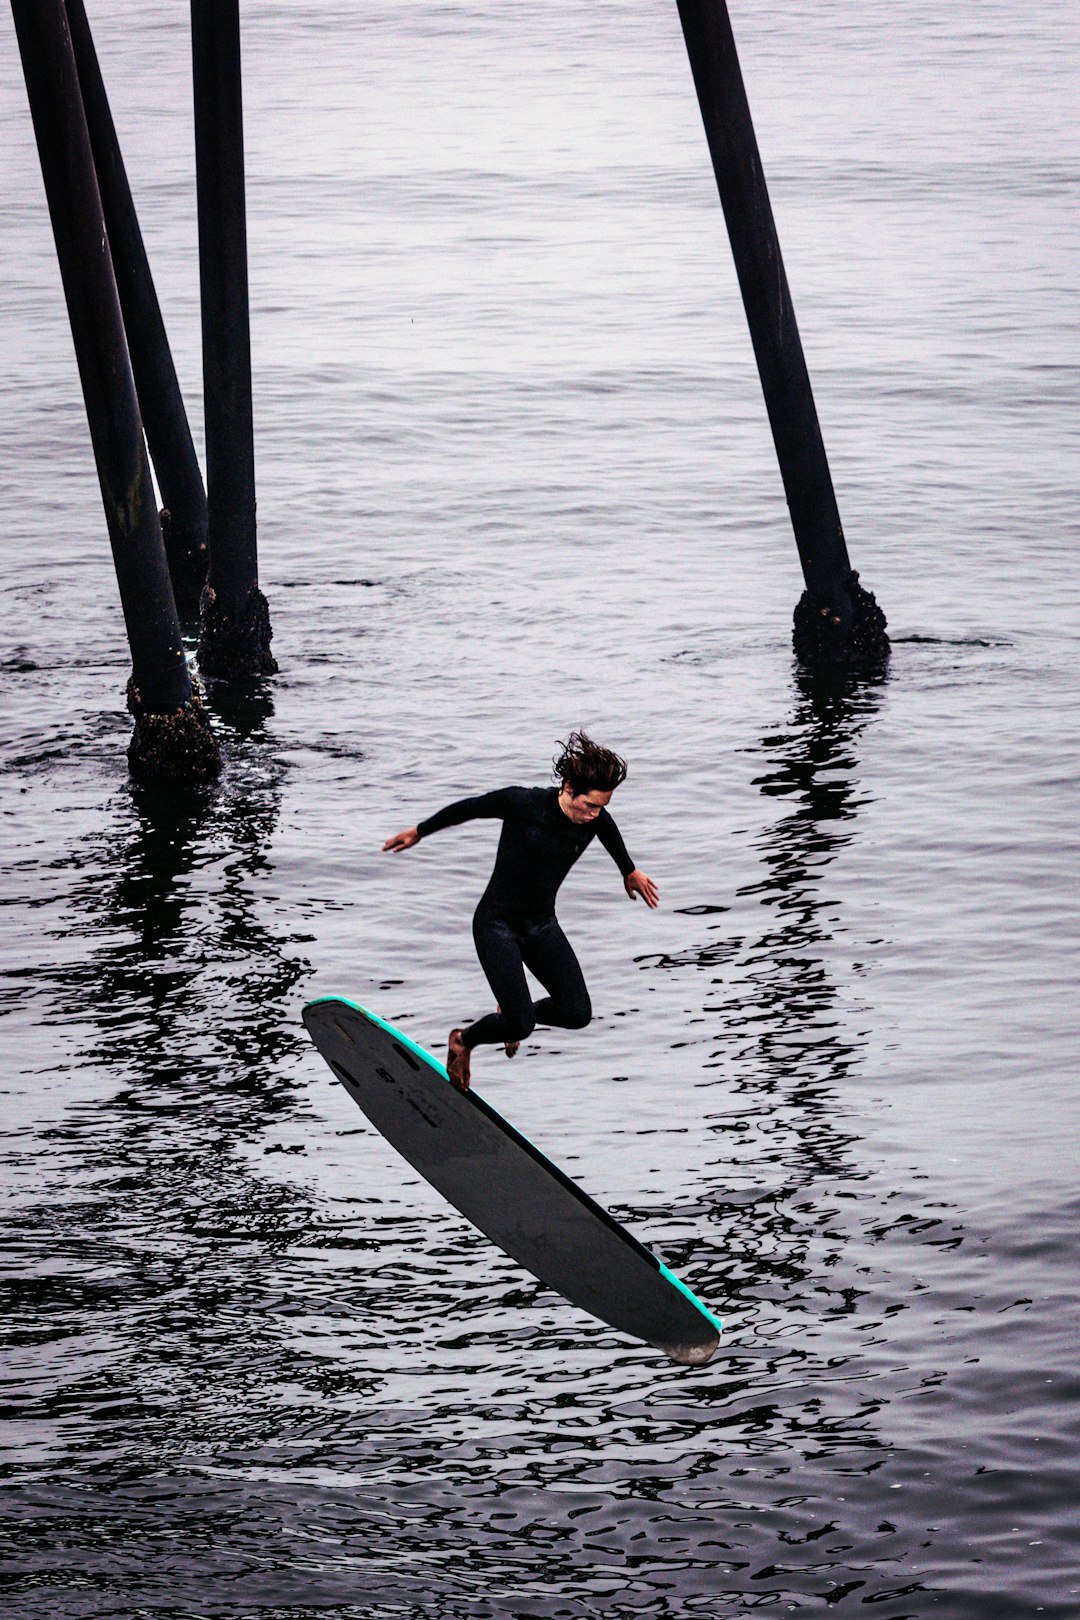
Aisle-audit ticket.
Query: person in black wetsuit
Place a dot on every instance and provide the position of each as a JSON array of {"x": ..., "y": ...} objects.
[{"x": 544, "y": 832}]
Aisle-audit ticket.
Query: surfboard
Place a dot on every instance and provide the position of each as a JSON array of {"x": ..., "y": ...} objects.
[{"x": 505, "y": 1186}]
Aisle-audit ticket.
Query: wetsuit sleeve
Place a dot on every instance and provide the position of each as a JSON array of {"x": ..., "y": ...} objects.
[
  {"x": 498, "y": 805},
  {"x": 611, "y": 838}
]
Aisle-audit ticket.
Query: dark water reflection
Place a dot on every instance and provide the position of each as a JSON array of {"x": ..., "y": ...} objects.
[
  {"x": 155, "y": 955},
  {"x": 127, "y": 1293},
  {"x": 795, "y": 1209},
  {"x": 773, "y": 1003},
  {"x": 246, "y": 1382},
  {"x": 215, "y": 1366}
]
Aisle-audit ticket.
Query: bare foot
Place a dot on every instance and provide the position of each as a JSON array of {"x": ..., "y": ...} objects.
[
  {"x": 458, "y": 1058},
  {"x": 509, "y": 1047}
]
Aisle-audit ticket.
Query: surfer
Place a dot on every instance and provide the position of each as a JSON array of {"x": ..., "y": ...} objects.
[{"x": 544, "y": 832}]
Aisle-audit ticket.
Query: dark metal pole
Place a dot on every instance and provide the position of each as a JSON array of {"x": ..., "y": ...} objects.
[
  {"x": 833, "y": 595},
  {"x": 236, "y": 623},
  {"x": 168, "y": 434},
  {"x": 172, "y": 737}
]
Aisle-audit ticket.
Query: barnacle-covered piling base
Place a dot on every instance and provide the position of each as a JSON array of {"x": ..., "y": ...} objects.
[
  {"x": 177, "y": 748},
  {"x": 235, "y": 646},
  {"x": 822, "y": 640}
]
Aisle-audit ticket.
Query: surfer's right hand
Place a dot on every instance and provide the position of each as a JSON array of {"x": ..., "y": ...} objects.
[{"x": 402, "y": 840}]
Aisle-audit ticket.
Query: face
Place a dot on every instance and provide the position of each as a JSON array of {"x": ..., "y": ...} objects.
[{"x": 583, "y": 807}]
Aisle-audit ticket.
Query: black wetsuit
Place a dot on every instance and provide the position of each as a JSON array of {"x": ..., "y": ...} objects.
[{"x": 515, "y": 925}]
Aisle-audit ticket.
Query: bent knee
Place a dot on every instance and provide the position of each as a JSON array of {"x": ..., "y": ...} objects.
[
  {"x": 579, "y": 1014},
  {"x": 518, "y": 1029}
]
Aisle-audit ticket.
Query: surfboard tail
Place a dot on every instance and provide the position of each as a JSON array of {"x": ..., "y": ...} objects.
[
  {"x": 706, "y": 1343},
  {"x": 691, "y": 1355}
]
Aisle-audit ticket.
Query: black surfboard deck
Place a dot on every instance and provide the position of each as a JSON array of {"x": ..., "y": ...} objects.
[{"x": 505, "y": 1186}]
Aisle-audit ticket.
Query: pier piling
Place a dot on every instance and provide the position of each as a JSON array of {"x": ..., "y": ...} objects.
[
  {"x": 172, "y": 738},
  {"x": 235, "y": 638},
  {"x": 165, "y": 421},
  {"x": 836, "y": 621}
]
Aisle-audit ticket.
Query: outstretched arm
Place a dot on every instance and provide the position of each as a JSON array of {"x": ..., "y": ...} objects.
[{"x": 452, "y": 815}]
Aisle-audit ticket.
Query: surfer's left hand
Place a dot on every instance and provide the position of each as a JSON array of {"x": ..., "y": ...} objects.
[{"x": 636, "y": 883}]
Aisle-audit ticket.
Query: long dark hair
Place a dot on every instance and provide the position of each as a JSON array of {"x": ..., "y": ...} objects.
[{"x": 587, "y": 767}]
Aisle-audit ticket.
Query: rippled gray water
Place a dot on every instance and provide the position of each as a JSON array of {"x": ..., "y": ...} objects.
[{"x": 514, "y": 475}]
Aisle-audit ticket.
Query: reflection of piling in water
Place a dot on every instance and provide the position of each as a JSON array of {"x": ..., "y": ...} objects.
[
  {"x": 173, "y": 997},
  {"x": 172, "y": 736},
  {"x": 168, "y": 435},
  {"x": 235, "y": 639},
  {"x": 167, "y": 913},
  {"x": 812, "y": 773},
  {"x": 836, "y": 621}
]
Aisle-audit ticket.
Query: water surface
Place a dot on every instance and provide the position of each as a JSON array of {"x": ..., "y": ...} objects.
[{"x": 514, "y": 476}]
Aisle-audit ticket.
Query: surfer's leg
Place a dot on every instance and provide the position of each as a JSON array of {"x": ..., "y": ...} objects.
[
  {"x": 549, "y": 954},
  {"x": 509, "y": 1047},
  {"x": 499, "y": 948}
]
